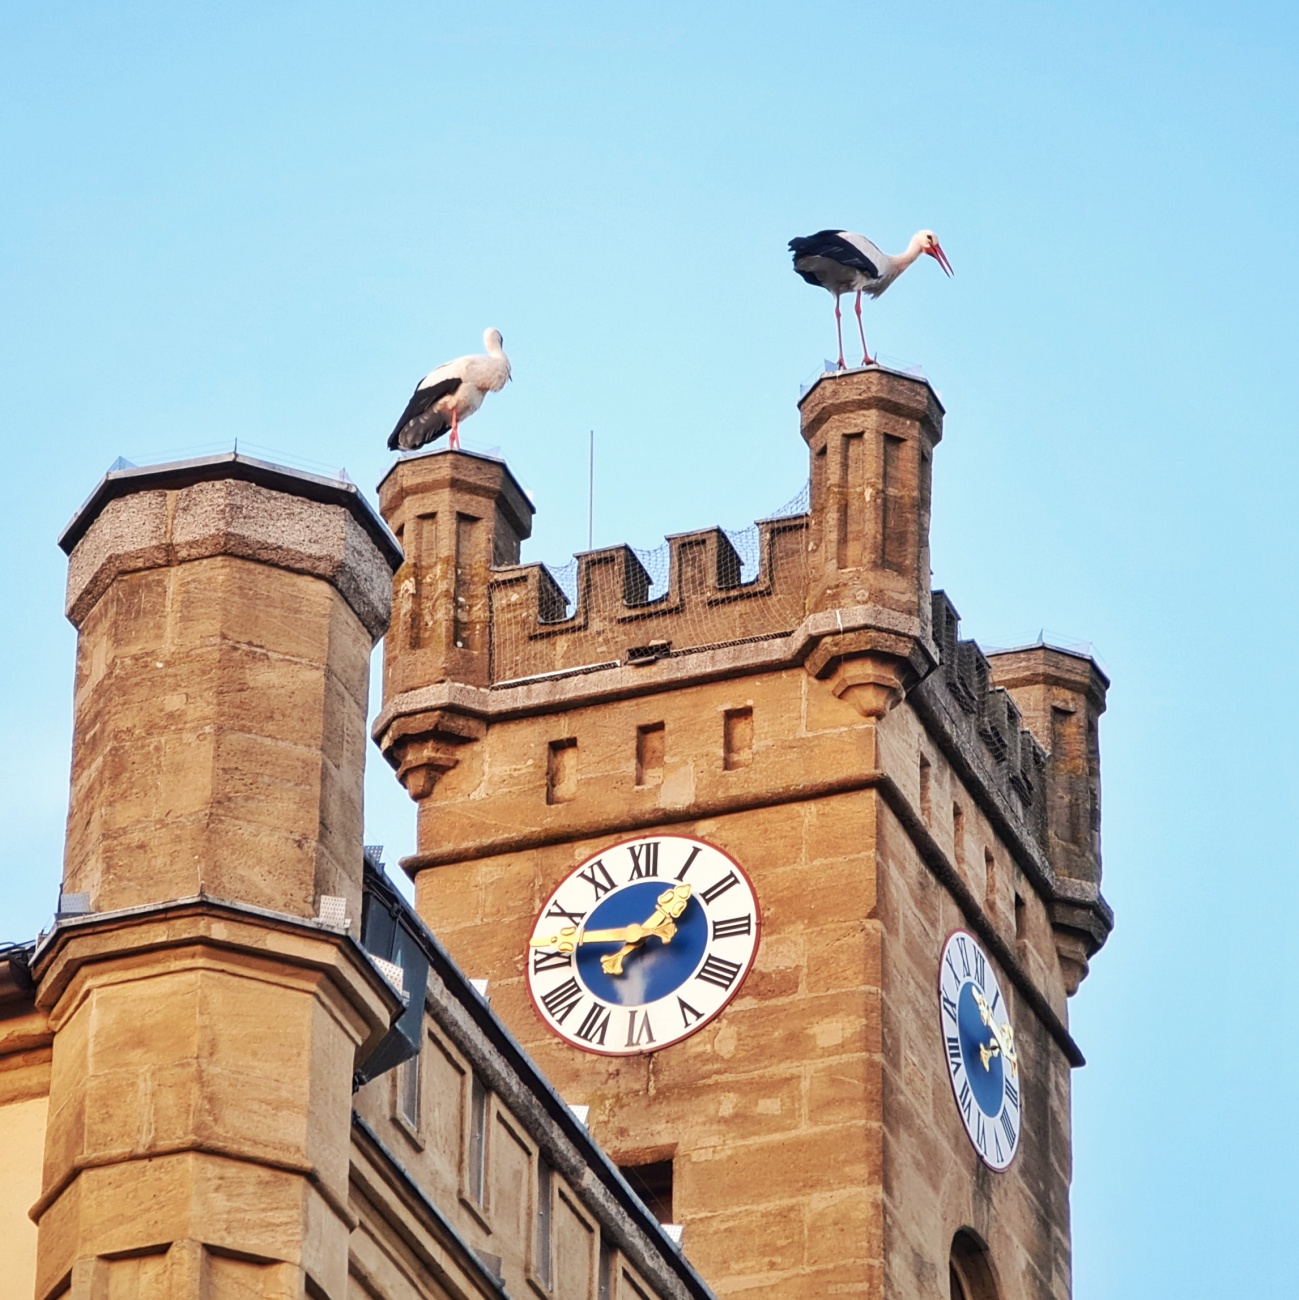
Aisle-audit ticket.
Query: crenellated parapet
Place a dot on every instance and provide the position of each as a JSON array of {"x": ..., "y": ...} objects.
[
  {"x": 1023, "y": 727},
  {"x": 986, "y": 721},
  {"x": 614, "y": 620}
]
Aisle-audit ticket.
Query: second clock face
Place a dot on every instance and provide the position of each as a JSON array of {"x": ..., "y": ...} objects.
[
  {"x": 642, "y": 944},
  {"x": 980, "y": 1047}
]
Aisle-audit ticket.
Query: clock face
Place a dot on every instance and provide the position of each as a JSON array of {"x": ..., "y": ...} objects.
[
  {"x": 642, "y": 944},
  {"x": 979, "y": 1045}
]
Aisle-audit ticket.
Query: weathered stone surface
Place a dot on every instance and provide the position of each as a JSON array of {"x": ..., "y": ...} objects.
[
  {"x": 168, "y": 515},
  {"x": 888, "y": 793}
]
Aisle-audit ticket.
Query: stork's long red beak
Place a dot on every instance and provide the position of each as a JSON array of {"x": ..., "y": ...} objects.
[{"x": 941, "y": 258}]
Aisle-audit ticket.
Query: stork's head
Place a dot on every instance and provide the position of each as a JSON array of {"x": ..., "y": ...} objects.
[
  {"x": 929, "y": 244},
  {"x": 494, "y": 342}
]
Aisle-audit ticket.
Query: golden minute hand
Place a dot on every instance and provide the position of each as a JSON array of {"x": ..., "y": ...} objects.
[
  {"x": 1003, "y": 1037},
  {"x": 671, "y": 903},
  {"x": 568, "y": 938}
]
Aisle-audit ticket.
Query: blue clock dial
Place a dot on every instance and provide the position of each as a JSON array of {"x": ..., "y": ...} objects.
[
  {"x": 661, "y": 968},
  {"x": 642, "y": 944},
  {"x": 985, "y": 1081},
  {"x": 979, "y": 1050}
]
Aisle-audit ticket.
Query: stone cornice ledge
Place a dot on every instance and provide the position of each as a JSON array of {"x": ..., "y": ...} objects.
[
  {"x": 218, "y": 923},
  {"x": 617, "y": 679}
]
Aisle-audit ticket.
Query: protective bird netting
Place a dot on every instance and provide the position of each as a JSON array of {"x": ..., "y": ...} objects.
[{"x": 695, "y": 591}]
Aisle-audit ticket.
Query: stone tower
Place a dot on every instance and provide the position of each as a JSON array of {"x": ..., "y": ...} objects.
[
  {"x": 205, "y": 989},
  {"x": 822, "y": 724}
]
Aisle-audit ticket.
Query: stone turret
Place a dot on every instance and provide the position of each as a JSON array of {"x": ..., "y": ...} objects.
[
  {"x": 871, "y": 437},
  {"x": 204, "y": 984},
  {"x": 1062, "y": 696},
  {"x": 457, "y": 516}
]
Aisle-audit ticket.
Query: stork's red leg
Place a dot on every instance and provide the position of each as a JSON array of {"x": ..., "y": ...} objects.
[
  {"x": 838, "y": 329},
  {"x": 865, "y": 356},
  {"x": 455, "y": 430}
]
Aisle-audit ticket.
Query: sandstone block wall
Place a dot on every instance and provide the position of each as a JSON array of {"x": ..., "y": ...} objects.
[{"x": 880, "y": 779}]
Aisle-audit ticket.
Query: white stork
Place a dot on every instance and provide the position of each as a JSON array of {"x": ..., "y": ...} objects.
[
  {"x": 447, "y": 395},
  {"x": 842, "y": 262}
]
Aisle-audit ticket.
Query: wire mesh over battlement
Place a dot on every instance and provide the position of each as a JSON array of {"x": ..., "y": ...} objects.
[{"x": 697, "y": 591}]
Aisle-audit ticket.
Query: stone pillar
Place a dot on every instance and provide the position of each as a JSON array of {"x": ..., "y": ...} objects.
[
  {"x": 1061, "y": 696},
  {"x": 206, "y": 1025},
  {"x": 871, "y": 436},
  {"x": 457, "y": 515}
]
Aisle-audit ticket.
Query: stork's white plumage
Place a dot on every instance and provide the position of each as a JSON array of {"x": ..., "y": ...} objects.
[
  {"x": 842, "y": 262},
  {"x": 447, "y": 395}
]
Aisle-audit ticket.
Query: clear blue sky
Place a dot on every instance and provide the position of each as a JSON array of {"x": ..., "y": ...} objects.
[{"x": 268, "y": 220}]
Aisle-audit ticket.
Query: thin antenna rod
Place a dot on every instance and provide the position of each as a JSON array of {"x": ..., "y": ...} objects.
[{"x": 590, "y": 496}]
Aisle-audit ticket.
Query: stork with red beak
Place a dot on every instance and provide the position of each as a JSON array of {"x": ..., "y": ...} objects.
[{"x": 842, "y": 262}]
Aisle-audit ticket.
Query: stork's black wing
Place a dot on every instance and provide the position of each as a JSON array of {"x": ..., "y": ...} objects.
[
  {"x": 832, "y": 245},
  {"x": 420, "y": 401}
]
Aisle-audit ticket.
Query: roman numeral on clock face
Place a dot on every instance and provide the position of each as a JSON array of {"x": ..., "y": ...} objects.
[
  {"x": 688, "y": 1014},
  {"x": 1008, "y": 1127},
  {"x": 562, "y": 999},
  {"x": 594, "y": 1024},
  {"x": 644, "y": 859},
  {"x": 639, "y": 1033},
  {"x": 732, "y": 926},
  {"x": 1012, "y": 1095},
  {"x": 598, "y": 877},
  {"x": 715, "y": 891},
  {"x": 965, "y": 1099},
  {"x": 573, "y": 918},
  {"x": 954, "y": 1059},
  {"x": 543, "y": 960},
  {"x": 694, "y": 853},
  {"x": 719, "y": 971}
]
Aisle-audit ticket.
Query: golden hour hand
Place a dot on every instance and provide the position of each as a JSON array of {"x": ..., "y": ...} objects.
[{"x": 1003, "y": 1038}]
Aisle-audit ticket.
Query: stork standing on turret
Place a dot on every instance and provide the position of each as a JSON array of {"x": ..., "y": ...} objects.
[
  {"x": 842, "y": 262},
  {"x": 449, "y": 394}
]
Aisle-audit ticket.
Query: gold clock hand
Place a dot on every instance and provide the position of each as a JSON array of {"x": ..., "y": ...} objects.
[
  {"x": 671, "y": 903},
  {"x": 1003, "y": 1038},
  {"x": 568, "y": 938},
  {"x": 564, "y": 941}
]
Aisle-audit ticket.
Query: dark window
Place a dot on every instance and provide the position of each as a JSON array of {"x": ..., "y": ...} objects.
[
  {"x": 653, "y": 1184},
  {"x": 476, "y": 1165},
  {"x": 542, "y": 1248}
]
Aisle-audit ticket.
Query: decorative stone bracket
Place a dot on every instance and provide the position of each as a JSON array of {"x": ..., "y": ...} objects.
[
  {"x": 870, "y": 668},
  {"x": 423, "y": 747}
]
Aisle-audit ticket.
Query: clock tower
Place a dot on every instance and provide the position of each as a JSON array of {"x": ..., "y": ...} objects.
[{"x": 784, "y": 880}]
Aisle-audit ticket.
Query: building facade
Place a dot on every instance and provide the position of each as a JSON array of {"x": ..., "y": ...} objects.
[
  {"x": 193, "y": 1099},
  {"x": 780, "y": 889},
  {"x": 880, "y": 785}
]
